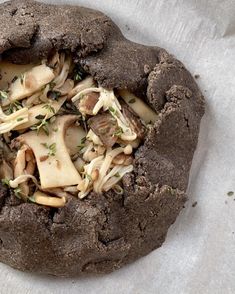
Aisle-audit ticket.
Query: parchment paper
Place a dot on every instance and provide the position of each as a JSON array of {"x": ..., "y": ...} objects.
[{"x": 199, "y": 253}]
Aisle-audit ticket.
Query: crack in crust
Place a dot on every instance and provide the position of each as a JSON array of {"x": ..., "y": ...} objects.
[{"x": 103, "y": 232}]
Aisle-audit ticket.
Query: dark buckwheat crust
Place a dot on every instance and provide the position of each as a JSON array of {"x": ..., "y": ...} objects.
[{"x": 103, "y": 232}]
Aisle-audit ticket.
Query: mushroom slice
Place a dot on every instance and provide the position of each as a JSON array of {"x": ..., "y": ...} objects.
[
  {"x": 146, "y": 113},
  {"x": 61, "y": 78},
  {"x": 11, "y": 70},
  {"x": 6, "y": 171},
  {"x": 59, "y": 192},
  {"x": 30, "y": 82},
  {"x": 134, "y": 121},
  {"x": 73, "y": 137},
  {"x": 10, "y": 122},
  {"x": 88, "y": 82},
  {"x": 66, "y": 88},
  {"x": 54, "y": 62},
  {"x": 79, "y": 164},
  {"x": 56, "y": 169},
  {"x": 91, "y": 136},
  {"x": 43, "y": 199},
  {"x": 19, "y": 170},
  {"x": 5, "y": 152},
  {"x": 87, "y": 103},
  {"x": 46, "y": 109},
  {"x": 122, "y": 159},
  {"x": 105, "y": 127},
  {"x": 113, "y": 179}
]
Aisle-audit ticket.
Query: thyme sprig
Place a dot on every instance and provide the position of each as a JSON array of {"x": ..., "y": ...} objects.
[{"x": 51, "y": 148}]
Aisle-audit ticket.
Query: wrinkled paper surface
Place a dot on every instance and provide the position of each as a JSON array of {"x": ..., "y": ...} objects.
[{"x": 199, "y": 253}]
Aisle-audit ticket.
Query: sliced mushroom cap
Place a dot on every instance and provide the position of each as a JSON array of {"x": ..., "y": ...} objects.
[
  {"x": 87, "y": 103},
  {"x": 134, "y": 121},
  {"x": 105, "y": 127},
  {"x": 88, "y": 82},
  {"x": 123, "y": 159}
]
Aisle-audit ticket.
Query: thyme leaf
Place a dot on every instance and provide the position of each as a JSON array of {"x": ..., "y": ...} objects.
[
  {"x": 51, "y": 148},
  {"x": 131, "y": 101},
  {"x": 49, "y": 108},
  {"x": 19, "y": 119},
  {"x": 118, "y": 132},
  {"x": 42, "y": 125},
  {"x": 3, "y": 95},
  {"x": 6, "y": 182}
]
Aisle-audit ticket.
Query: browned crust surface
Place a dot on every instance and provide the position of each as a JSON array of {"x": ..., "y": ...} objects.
[{"x": 103, "y": 232}]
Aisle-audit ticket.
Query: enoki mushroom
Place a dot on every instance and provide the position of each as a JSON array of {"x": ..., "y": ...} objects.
[{"x": 61, "y": 152}]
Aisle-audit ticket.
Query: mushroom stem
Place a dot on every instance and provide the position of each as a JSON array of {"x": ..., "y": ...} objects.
[{"x": 43, "y": 199}]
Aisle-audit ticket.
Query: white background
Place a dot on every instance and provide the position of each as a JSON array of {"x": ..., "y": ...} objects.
[{"x": 199, "y": 253}]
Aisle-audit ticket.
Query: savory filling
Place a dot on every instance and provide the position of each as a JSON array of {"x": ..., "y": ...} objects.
[{"x": 62, "y": 134}]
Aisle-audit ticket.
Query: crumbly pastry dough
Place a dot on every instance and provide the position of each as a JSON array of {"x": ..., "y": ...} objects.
[{"x": 106, "y": 230}]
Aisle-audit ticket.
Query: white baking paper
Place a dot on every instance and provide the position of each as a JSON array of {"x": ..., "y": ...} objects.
[{"x": 199, "y": 253}]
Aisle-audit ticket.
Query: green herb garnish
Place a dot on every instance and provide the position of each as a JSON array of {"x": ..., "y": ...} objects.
[
  {"x": 14, "y": 106},
  {"x": 230, "y": 193},
  {"x": 20, "y": 119},
  {"x": 118, "y": 132},
  {"x": 14, "y": 79},
  {"x": 49, "y": 108},
  {"x": 52, "y": 85},
  {"x": 81, "y": 146},
  {"x": 22, "y": 77},
  {"x": 43, "y": 125},
  {"x": 6, "y": 182},
  {"x": 78, "y": 73},
  {"x": 132, "y": 101},
  {"x": 117, "y": 175},
  {"x": 83, "y": 140},
  {"x": 3, "y": 95},
  {"x": 112, "y": 110},
  {"x": 40, "y": 117},
  {"x": 43, "y": 122},
  {"x": 31, "y": 199},
  {"x": 51, "y": 148},
  {"x": 88, "y": 177},
  {"x": 77, "y": 77},
  {"x": 17, "y": 192}
]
